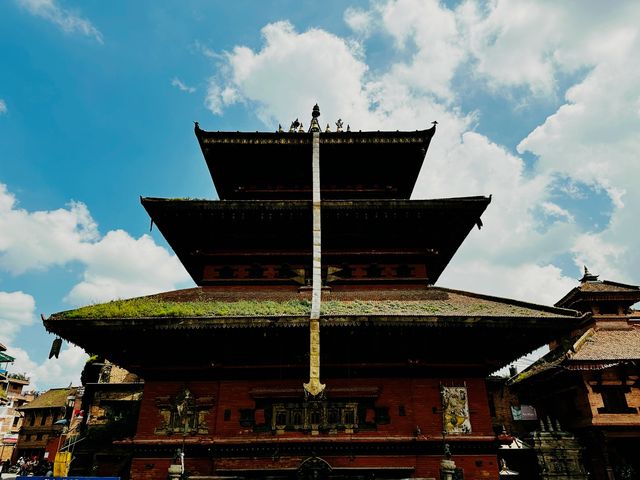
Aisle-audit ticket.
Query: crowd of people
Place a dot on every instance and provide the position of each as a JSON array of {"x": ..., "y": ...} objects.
[{"x": 28, "y": 467}]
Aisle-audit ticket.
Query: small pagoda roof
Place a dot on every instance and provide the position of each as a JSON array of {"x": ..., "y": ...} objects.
[
  {"x": 263, "y": 165},
  {"x": 195, "y": 321},
  {"x": 201, "y": 231},
  {"x": 593, "y": 291}
]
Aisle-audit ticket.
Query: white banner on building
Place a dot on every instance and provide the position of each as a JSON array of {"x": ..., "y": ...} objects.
[{"x": 455, "y": 410}]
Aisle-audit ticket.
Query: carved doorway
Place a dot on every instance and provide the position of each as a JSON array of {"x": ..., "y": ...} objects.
[{"x": 313, "y": 468}]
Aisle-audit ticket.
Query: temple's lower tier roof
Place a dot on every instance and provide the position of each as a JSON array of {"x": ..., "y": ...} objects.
[
  {"x": 255, "y": 330},
  {"x": 270, "y": 242}
]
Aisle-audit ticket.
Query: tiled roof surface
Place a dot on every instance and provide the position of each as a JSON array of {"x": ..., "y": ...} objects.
[
  {"x": 610, "y": 345},
  {"x": 56, "y": 397},
  {"x": 600, "y": 291},
  {"x": 599, "y": 345},
  {"x": 203, "y": 302},
  {"x": 606, "y": 286}
]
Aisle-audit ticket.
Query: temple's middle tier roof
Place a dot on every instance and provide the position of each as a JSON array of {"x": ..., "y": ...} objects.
[
  {"x": 263, "y": 165},
  {"x": 363, "y": 241}
]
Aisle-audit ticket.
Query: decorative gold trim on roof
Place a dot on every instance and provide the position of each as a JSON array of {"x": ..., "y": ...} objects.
[
  {"x": 296, "y": 140},
  {"x": 293, "y": 140}
]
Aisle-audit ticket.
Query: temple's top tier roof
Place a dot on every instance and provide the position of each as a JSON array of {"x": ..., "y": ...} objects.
[{"x": 277, "y": 166}]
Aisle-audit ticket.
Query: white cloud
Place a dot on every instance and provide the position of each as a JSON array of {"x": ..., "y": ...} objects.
[
  {"x": 434, "y": 31},
  {"x": 199, "y": 47},
  {"x": 115, "y": 266},
  {"x": 176, "y": 82},
  {"x": 38, "y": 240},
  {"x": 289, "y": 74},
  {"x": 119, "y": 266},
  {"x": 358, "y": 20},
  {"x": 218, "y": 98},
  {"x": 52, "y": 373},
  {"x": 529, "y": 282},
  {"x": 3, "y": 107},
  {"x": 554, "y": 210},
  {"x": 593, "y": 137},
  {"x": 17, "y": 309},
  {"x": 67, "y": 20}
]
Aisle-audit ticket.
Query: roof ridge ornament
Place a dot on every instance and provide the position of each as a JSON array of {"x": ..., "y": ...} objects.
[
  {"x": 315, "y": 113},
  {"x": 339, "y": 125},
  {"x": 588, "y": 276}
]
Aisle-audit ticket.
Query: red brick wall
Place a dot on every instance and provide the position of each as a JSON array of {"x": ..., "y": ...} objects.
[
  {"x": 476, "y": 467},
  {"x": 418, "y": 396}
]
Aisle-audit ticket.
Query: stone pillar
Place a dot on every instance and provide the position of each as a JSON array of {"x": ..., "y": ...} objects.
[
  {"x": 175, "y": 472},
  {"x": 447, "y": 469}
]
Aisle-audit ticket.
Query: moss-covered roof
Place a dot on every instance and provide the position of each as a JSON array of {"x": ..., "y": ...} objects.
[
  {"x": 56, "y": 397},
  {"x": 210, "y": 303},
  {"x": 231, "y": 324}
]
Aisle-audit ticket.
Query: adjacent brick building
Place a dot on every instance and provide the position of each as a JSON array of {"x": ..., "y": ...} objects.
[
  {"x": 589, "y": 381},
  {"x": 11, "y": 398},
  {"x": 46, "y": 419}
]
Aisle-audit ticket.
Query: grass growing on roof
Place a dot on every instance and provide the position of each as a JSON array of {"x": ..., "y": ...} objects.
[
  {"x": 147, "y": 307},
  {"x": 363, "y": 307},
  {"x": 150, "y": 307}
]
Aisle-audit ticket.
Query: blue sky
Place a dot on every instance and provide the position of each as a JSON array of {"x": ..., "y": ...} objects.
[{"x": 536, "y": 102}]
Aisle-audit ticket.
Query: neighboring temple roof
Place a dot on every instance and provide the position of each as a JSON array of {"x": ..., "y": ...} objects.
[
  {"x": 422, "y": 323},
  {"x": 598, "y": 291},
  {"x": 56, "y": 397},
  {"x": 204, "y": 233},
  {"x": 263, "y": 165},
  {"x": 596, "y": 349},
  {"x": 610, "y": 345}
]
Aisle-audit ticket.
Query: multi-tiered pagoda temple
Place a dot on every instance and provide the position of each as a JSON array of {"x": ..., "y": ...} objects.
[{"x": 315, "y": 344}]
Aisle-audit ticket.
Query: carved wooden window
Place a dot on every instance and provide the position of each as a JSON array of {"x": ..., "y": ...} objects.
[
  {"x": 614, "y": 399},
  {"x": 314, "y": 416},
  {"x": 374, "y": 271},
  {"x": 247, "y": 417},
  {"x": 404, "y": 271},
  {"x": 256, "y": 271},
  {"x": 382, "y": 415},
  {"x": 183, "y": 414},
  {"x": 226, "y": 272}
]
